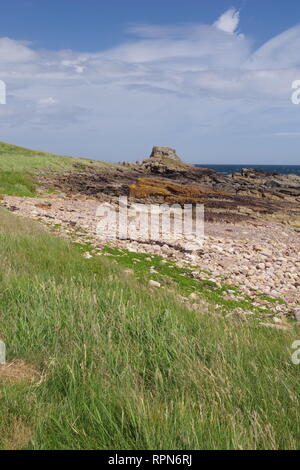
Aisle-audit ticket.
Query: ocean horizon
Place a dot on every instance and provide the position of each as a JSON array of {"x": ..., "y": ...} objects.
[{"x": 229, "y": 169}]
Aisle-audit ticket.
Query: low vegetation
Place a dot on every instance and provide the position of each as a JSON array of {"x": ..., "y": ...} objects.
[
  {"x": 19, "y": 168},
  {"x": 171, "y": 192},
  {"x": 99, "y": 360},
  {"x": 183, "y": 281},
  {"x": 19, "y": 184}
]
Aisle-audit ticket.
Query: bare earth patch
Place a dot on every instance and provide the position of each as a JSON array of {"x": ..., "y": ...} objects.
[
  {"x": 18, "y": 371},
  {"x": 18, "y": 435}
]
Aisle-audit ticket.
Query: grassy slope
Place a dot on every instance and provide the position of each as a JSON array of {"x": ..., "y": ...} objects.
[
  {"x": 18, "y": 167},
  {"x": 126, "y": 367}
]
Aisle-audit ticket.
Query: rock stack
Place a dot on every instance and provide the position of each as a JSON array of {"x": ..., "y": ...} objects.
[{"x": 164, "y": 153}]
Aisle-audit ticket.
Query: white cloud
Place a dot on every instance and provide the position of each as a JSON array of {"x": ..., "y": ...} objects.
[
  {"x": 229, "y": 21},
  {"x": 12, "y": 51},
  {"x": 281, "y": 52},
  {"x": 191, "y": 86},
  {"x": 49, "y": 101}
]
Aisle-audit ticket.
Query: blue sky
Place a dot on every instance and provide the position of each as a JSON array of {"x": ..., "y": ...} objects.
[
  {"x": 92, "y": 25},
  {"x": 109, "y": 79}
]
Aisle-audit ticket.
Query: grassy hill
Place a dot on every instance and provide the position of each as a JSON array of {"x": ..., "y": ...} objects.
[
  {"x": 19, "y": 168},
  {"x": 99, "y": 360}
]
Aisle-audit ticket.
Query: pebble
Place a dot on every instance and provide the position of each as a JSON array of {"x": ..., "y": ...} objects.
[
  {"x": 255, "y": 259},
  {"x": 128, "y": 271},
  {"x": 297, "y": 315},
  {"x": 154, "y": 283},
  {"x": 194, "y": 296}
]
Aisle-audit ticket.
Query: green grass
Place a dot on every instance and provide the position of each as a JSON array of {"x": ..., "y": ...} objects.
[
  {"x": 19, "y": 168},
  {"x": 17, "y": 184},
  {"x": 127, "y": 367},
  {"x": 20, "y": 159},
  {"x": 169, "y": 274},
  {"x": 272, "y": 299}
]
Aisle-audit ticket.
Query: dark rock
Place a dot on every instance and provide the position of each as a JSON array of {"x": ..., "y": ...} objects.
[{"x": 242, "y": 196}]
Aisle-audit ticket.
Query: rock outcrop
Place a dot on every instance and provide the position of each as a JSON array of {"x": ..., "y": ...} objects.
[
  {"x": 164, "y": 153},
  {"x": 164, "y": 177},
  {"x": 252, "y": 182},
  {"x": 165, "y": 161}
]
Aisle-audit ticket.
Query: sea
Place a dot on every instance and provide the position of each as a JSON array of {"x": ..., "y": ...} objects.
[{"x": 228, "y": 169}]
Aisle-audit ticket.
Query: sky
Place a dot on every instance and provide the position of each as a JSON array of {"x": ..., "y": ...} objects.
[{"x": 108, "y": 79}]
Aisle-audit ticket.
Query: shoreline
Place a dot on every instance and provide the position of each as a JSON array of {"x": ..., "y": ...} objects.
[
  {"x": 229, "y": 169},
  {"x": 259, "y": 259}
]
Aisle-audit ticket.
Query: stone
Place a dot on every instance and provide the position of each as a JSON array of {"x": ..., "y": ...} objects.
[
  {"x": 154, "y": 283},
  {"x": 267, "y": 253},
  {"x": 194, "y": 296},
  {"x": 297, "y": 315},
  {"x": 190, "y": 246},
  {"x": 261, "y": 266},
  {"x": 152, "y": 270}
]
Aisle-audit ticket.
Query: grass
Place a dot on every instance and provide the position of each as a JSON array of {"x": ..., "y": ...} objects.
[
  {"x": 20, "y": 159},
  {"x": 17, "y": 184},
  {"x": 182, "y": 279},
  {"x": 19, "y": 168},
  {"x": 126, "y": 367}
]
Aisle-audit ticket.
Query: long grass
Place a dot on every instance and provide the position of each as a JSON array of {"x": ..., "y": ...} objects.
[
  {"x": 21, "y": 159},
  {"x": 14, "y": 183},
  {"x": 125, "y": 367},
  {"x": 19, "y": 168}
]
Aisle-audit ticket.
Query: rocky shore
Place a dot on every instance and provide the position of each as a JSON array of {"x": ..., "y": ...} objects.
[
  {"x": 163, "y": 177},
  {"x": 257, "y": 258},
  {"x": 252, "y": 229}
]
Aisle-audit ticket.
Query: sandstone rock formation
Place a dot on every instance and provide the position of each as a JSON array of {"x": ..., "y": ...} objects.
[
  {"x": 164, "y": 161},
  {"x": 164, "y": 153}
]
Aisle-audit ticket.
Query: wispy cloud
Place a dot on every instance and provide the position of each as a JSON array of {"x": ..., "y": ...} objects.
[
  {"x": 180, "y": 85},
  {"x": 287, "y": 134}
]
